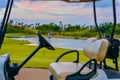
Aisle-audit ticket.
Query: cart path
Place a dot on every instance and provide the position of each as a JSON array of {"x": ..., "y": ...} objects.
[{"x": 33, "y": 74}]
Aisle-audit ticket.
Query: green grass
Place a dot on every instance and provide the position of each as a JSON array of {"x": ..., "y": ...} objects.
[
  {"x": 19, "y": 34},
  {"x": 18, "y": 51}
]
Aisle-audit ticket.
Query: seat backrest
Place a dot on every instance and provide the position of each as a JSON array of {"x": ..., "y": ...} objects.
[{"x": 96, "y": 48}]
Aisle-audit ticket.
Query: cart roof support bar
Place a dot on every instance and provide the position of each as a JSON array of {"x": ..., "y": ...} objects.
[
  {"x": 5, "y": 21},
  {"x": 114, "y": 19},
  {"x": 95, "y": 19}
]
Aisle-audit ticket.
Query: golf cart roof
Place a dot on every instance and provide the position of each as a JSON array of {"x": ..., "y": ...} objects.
[{"x": 73, "y": 1}]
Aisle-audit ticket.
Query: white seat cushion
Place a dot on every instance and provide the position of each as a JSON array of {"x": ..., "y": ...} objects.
[
  {"x": 96, "y": 48},
  {"x": 93, "y": 48},
  {"x": 61, "y": 69}
]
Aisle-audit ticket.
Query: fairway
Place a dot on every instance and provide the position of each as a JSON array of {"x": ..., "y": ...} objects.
[{"x": 18, "y": 51}]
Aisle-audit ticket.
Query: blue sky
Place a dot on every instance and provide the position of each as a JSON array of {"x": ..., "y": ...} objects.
[{"x": 32, "y": 11}]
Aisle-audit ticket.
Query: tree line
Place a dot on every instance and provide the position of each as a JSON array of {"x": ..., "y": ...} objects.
[{"x": 65, "y": 30}]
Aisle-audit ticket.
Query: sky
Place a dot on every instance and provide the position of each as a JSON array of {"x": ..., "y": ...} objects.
[{"x": 54, "y": 11}]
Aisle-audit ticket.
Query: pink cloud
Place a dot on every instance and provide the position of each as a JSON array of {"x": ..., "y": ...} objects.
[
  {"x": 55, "y": 10},
  {"x": 41, "y": 10},
  {"x": 37, "y": 6}
]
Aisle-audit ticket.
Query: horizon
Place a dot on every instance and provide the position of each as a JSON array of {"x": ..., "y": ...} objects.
[{"x": 44, "y": 12}]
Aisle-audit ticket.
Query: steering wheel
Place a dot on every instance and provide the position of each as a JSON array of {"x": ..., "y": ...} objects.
[{"x": 44, "y": 43}]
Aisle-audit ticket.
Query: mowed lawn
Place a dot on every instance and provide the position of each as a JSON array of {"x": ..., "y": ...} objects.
[{"x": 19, "y": 50}]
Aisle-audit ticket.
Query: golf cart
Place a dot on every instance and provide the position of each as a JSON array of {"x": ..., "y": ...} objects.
[
  {"x": 97, "y": 49},
  {"x": 9, "y": 70}
]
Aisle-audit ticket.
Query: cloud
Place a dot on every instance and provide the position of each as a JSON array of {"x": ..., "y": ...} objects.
[
  {"x": 34, "y": 10},
  {"x": 44, "y": 9},
  {"x": 59, "y": 11},
  {"x": 118, "y": 1},
  {"x": 2, "y": 10}
]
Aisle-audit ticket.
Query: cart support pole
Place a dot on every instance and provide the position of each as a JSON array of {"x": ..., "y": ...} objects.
[{"x": 114, "y": 17}]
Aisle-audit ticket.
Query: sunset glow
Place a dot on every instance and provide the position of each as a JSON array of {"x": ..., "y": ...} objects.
[{"x": 31, "y": 11}]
